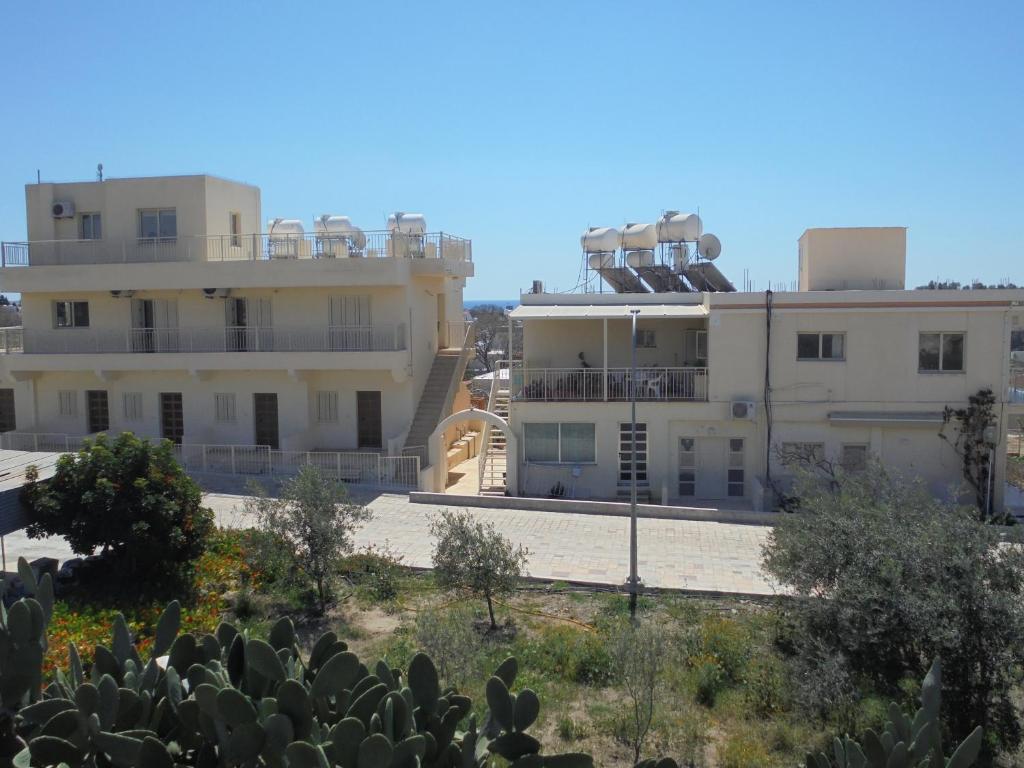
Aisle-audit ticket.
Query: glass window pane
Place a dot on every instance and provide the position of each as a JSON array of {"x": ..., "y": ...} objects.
[
  {"x": 735, "y": 475},
  {"x": 168, "y": 223},
  {"x": 807, "y": 346},
  {"x": 541, "y": 441},
  {"x": 736, "y": 444},
  {"x": 97, "y": 229},
  {"x": 81, "y": 314},
  {"x": 148, "y": 224},
  {"x": 854, "y": 457},
  {"x": 686, "y": 444},
  {"x": 61, "y": 314},
  {"x": 928, "y": 352},
  {"x": 832, "y": 346},
  {"x": 577, "y": 443},
  {"x": 952, "y": 351}
]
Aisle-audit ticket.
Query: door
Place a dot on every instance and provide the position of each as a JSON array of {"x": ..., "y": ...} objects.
[
  {"x": 264, "y": 414},
  {"x": 172, "y": 417},
  {"x": 97, "y": 410},
  {"x": 142, "y": 325},
  {"x": 236, "y": 315},
  {"x": 154, "y": 325},
  {"x": 7, "y": 421},
  {"x": 368, "y": 420},
  {"x": 712, "y": 458},
  {"x": 625, "y": 447}
]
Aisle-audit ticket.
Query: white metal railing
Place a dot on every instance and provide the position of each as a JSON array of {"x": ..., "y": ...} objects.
[
  {"x": 369, "y": 469},
  {"x": 252, "y": 247},
  {"x": 485, "y": 439},
  {"x": 615, "y": 384},
  {"x": 46, "y": 442},
  {"x": 11, "y": 339},
  {"x": 379, "y": 337}
]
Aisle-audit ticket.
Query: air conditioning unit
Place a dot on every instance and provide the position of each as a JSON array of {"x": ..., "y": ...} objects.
[
  {"x": 62, "y": 209},
  {"x": 216, "y": 293},
  {"x": 743, "y": 409}
]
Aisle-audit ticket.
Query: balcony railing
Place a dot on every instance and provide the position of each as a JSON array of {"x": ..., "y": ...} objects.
[
  {"x": 255, "y": 247},
  {"x": 615, "y": 384},
  {"x": 341, "y": 338},
  {"x": 11, "y": 339}
]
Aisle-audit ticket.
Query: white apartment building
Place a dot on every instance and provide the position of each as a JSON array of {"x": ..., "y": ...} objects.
[
  {"x": 728, "y": 382},
  {"x": 163, "y": 307}
]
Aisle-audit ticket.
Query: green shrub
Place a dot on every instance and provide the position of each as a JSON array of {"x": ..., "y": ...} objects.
[
  {"x": 571, "y": 728},
  {"x": 710, "y": 682},
  {"x": 377, "y": 567},
  {"x": 743, "y": 750},
  {"x": 244, "y": 605},
  {"x": 129, "y": 498},
  {"x": 728, "y": 643},
  {"x": 764, "y": 686},
  {"x": 450, "y": 639},
  {"x": 568, "y": 653}
]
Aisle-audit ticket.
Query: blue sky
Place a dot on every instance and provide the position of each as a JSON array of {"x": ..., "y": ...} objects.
[{"x": 520, "y": 124}]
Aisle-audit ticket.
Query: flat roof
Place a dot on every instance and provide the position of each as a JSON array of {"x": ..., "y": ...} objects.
[{"x": 609, "y": 312}]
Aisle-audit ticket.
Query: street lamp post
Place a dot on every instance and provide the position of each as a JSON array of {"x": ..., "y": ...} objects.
[{"x": 634, "y": 579}]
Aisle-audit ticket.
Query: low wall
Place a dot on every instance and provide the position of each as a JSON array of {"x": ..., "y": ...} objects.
[{"x": 619, "y": 509}]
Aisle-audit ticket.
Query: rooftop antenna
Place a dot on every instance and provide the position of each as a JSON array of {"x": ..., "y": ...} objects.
[
  {"x": 38, "y": 179},
  {"x": 99, "y": 171}
]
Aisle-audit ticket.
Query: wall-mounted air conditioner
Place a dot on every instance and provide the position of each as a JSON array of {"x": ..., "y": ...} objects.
[
  {"x": 216, "y": 293},
  {"x": 62, "y": 209},
  {"x": 743, "y": 409}
]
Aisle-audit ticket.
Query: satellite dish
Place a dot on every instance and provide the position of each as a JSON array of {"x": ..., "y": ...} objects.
[{"x": 709, "y": 246}]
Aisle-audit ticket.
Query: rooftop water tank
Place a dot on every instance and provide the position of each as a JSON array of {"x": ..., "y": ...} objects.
[
  {"x": 407, "y": 223},
  {"x": 332, "y": 228},
  {"x": 675, "y": 227},
  {"x": 601, "y": 260},
  {"x": 285, "y": 227},
  {"x": 640, "y": 259},
  {"x": 639, "y": 237},
  {"x": 601, "y": 240}
]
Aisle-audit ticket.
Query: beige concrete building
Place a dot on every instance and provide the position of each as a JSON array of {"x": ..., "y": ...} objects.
[
  {"x": 728, "y": 383},
  {"x": 162, "y": 306}
]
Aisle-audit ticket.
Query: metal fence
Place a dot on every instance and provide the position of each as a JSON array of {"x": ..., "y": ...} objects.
[
  {"x": 253, "y": 247},
  {"x": 598, "y": 384},
  {"x": 379, "y": 337},
  {"x": 11, "y": 339},
  {"x": 369, "y": 469}
]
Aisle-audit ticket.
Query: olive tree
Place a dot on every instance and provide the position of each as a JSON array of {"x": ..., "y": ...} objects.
[
  {"x": 886, "y": 577},
  {"x": 314, "y": 516},
  {"x": 473, "y": 556},
  {"x": 638, "y": 654}
]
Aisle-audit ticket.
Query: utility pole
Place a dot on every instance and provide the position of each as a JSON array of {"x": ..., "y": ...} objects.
[{"x": 634, "y": 579}]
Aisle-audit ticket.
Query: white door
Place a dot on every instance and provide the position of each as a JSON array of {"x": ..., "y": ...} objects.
[{"x": 712, "y": 458}]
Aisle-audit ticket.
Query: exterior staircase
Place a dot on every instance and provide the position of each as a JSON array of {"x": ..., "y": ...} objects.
[
  {"x": 446, "y": 371},
  {"x": 494, "y": 459}
]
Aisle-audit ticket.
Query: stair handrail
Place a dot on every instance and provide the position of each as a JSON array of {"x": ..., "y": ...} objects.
[
  {"x": 468, "y": 343},
  {"x": 486, "y": 437}
]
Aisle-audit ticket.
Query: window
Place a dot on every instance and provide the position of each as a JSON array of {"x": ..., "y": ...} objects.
[
  {"x": 91, "y": 226},
  {"x": 7, "y": 421},
  {"x": 820, "y": 346},
  {"x": 569, "y": 443},
  {"x": 67, "y": 403},
  {"x": 854, "y": 457},
  {"x": 71, "y": 314},
  {"x": 940, "y": 352},
  {"x": 645, "y": 338},
  {"x": 327, "y": 407},
  {"x": 158, "y": 224},
  {"x": 97, "y": 410},
  {"x": 736, "y": 476},
  {"x": 224, "y": 406},
  {"x": 687, "y": 466},
  {"x": 172, "y": 417},
  {"x": 235, "y": 228},
  {"x": 132, "y": 403}
]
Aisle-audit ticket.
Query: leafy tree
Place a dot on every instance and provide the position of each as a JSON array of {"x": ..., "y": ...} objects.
[
  {"x": 491, "y": 328},
  {"x": 973, "y": 443},
  {"x": 129, "y": 498},
  {"x": 886, "y": 577},
  {"x": 474, "y": 556},
  {"x": 316, "y": 519}
]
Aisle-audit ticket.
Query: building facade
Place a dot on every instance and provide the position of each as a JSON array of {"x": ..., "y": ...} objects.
[
  {"x": 161, "y": 306},
  {"x": 732, "y": 386}
]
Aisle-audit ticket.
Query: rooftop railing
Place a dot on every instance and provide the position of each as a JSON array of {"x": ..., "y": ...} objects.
[
  {"x": 612, "y": 384},
  {"x": 380, "y": 337},
  {"x": 255, "y": 247}
]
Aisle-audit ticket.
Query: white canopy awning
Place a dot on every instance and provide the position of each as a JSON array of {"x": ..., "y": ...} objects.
[{"x": 609, "y": 311}]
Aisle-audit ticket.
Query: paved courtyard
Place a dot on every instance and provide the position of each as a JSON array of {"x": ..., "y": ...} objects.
[{"x": 675, "y": 554}]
